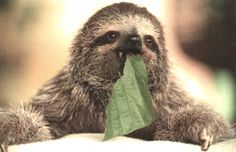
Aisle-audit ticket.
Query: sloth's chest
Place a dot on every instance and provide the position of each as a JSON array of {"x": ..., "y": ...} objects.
[{"x": 89, "y": 119}]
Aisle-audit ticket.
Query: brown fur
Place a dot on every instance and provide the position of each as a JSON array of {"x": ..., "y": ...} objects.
[
  {"x": 22, "y": 125},
  {"x": 74, "y": 101}
]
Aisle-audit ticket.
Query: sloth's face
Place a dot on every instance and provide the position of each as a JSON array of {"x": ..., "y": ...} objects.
[
  {"x": 132, "y": 36},
  {"x": 110, "y": 36}
]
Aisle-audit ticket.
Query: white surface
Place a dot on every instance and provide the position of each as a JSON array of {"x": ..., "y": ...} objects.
[{"x": 93, "y": 142}]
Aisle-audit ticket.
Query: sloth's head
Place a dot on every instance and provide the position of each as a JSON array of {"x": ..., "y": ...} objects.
[{"x": 109, "y": 36}]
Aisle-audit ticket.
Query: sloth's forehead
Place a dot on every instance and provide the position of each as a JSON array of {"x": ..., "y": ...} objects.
[{"x": 127, "y": 23}]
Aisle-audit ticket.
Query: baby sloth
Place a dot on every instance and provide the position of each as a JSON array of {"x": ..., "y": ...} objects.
[{"x": 74, "y": 101}]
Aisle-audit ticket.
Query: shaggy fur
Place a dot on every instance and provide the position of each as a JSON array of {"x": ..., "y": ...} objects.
[
  {"x": 22, "y": 125},
  {"x": 74, "y": 101}
]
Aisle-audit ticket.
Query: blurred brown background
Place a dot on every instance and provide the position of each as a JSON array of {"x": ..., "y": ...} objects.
[{"x": 35, "y": 37}]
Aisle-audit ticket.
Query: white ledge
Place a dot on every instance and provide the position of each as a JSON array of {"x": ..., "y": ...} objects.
[{"x": 93, "y": 142}]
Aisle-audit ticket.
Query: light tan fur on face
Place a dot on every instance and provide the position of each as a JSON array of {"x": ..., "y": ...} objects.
[
  {"x": 126, "y": 24},
  {"x": 105, "y": 48},
  {"x": 149, "y": 55}
]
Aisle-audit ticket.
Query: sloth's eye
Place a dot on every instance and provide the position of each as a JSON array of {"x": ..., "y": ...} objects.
[
  {"x": 112, "y": 36},
  {"x": 150, "y": 43},
  {"x": 107, "y": 38},
  {"x": 149, "y": 40}
]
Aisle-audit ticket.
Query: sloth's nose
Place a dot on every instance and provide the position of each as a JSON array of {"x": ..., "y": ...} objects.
[
  {"x": 135, "y": 40},
  {"x": 134, "y": 43}
]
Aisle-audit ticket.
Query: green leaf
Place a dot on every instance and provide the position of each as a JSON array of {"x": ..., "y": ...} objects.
[{"x": 130, "y": 105}]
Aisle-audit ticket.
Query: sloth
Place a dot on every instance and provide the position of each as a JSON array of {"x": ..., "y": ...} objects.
[{"x": 74, "y": 101}]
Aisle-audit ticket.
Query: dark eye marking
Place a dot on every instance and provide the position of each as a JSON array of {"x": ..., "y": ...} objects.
[
  {"x": 111, "y": 36},
  {"x": 150, "y": 43},
  {"x": 107, "y": 38}
]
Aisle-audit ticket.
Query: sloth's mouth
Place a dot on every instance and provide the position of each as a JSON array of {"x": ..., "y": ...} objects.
[{"x": 124, "y": 54}]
